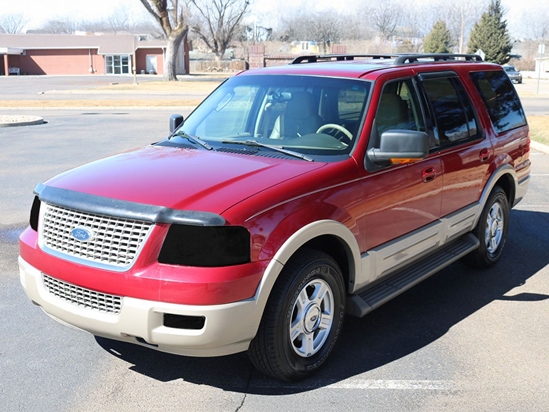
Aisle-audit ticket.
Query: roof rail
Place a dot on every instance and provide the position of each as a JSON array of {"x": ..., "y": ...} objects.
[
  {"x": 338, "y": 57},
  {"x": 398, "y": 59},
  {"x": 437, "y": 57}
]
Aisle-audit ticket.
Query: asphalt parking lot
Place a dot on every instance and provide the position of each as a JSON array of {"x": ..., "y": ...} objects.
[{"x": 464, "y": 340}]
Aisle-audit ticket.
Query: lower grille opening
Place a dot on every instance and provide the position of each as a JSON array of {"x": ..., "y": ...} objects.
[
  {"x": 83, "y": 297},
  {"x": 184, "y": 322}
]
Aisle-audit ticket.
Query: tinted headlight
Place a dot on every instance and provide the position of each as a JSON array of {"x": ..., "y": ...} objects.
[
  {"x": 35, "y": 212},
  {"x": 205, "y": 246}
]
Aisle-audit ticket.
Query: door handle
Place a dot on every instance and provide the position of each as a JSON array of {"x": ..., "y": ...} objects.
[
  {"x": 484, "y": 155},
  {"x": 429, "y": 174}
]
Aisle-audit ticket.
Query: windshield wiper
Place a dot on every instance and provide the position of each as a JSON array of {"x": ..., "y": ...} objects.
[
  {"x": 272, "y": 147},
  {"x": 194, "y": 139}
]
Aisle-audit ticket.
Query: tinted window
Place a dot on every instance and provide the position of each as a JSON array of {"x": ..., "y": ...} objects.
[
  {"x": 454, "y": 115},
  {"x": 230, "y": 116},
  {"x": 305, "y": 114},
  {"x": 501, "y": 100},
  {"x": 399, "y": 108}
]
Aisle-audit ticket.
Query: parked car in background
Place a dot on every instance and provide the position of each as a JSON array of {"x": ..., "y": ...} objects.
[{"x": 513, "y": 73}]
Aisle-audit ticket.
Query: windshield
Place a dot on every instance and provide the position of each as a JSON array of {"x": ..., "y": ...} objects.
[
  {"x": 509, "y": 68},
  {"x": 304, "y": 114}
]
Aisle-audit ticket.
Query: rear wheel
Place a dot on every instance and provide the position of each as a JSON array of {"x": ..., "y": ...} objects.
[
  {"x": 491, "y": 230},
  {"x": 302, "y": 319}
]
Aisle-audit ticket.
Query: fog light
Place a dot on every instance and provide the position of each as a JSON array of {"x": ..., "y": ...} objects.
[{"x": 184, "y": 322}]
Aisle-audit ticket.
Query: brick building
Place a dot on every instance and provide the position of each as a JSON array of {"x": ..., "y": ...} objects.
[{"x": 36, "y": 54}]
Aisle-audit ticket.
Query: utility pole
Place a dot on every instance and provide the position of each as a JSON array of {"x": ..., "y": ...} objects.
[{"x": 541, "y": 50}]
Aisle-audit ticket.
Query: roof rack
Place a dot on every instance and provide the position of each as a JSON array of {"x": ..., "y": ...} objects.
[
  {"x": 437, "y": 57},
  {"x": 338, "y": 57},
  {"x": 397, "y": 59}
]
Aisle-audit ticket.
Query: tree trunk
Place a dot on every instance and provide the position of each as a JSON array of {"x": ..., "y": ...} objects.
[{"x": 172, "y": 52}]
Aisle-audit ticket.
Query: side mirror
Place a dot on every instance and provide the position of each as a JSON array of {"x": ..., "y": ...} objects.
[
  {"x": 176, "y": 120},
  {"x": 400, "y": 146}
]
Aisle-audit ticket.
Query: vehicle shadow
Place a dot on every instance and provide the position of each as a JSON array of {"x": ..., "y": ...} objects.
[{"x": 408, "y": 323}]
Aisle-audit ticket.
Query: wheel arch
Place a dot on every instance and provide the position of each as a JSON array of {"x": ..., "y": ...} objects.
[
  {"x": 504, "y": 177},
  {"x": 328, "y": 236}
]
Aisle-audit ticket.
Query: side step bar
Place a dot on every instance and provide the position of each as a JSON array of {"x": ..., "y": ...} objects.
[{"x": 372, "y": 297}]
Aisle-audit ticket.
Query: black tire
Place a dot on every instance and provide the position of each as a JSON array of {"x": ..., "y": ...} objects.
[
  {"x": 491, "y": 230},
  {"x": 317, "y": 327}
]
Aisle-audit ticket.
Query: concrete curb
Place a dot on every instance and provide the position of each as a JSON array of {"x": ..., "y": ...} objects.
[
  {"x": 14, "y": 121},
  {"x": 540, "y": 147},
  {"x": 120, "y": 92},
  {"x": 87, "y": 108}
]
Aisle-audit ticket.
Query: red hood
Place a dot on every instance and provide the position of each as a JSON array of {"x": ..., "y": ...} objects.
[{"x": 181, "y": 179}]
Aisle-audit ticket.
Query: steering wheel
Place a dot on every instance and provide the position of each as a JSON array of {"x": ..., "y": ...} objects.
[{"x": 337, "y": 127}]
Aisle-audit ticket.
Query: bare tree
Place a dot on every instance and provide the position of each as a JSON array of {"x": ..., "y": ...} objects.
[
  {"x": 385, "y": 17},
  {"x": 294, "y": 27},
  {"x": 460, "y": 17},
  {"x": 218, "y": 22},
  {"x": 170, "y": 15},
  {"x": 354, "y": 26},
  {"x": 63, "y": 25},
  {"x": 120, "y": 20},
  {"x": 324, "y": 28},
  {"x": 12, "y": 23},
  {"x": 537, "y": 22}
]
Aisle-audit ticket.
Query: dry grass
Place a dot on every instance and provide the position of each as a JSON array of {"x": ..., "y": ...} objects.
[
  {"x": 145, "y": 102},
  {"x": 171, "y": 95},
  {"x": 539, "y": 128},
  {"x": 163, "y": 87}
]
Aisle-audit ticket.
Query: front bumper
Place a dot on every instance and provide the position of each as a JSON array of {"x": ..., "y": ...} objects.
[{"x": 228, "y": 328}]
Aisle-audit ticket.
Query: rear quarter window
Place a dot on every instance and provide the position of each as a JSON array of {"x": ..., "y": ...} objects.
[{"x": 501, "y": 100}]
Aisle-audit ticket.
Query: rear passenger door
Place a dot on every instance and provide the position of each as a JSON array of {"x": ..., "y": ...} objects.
[{"x": 464, "y": 150}]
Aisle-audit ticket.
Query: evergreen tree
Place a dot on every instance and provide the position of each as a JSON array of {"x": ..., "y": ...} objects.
[
  {"x": 439, "y": 40},
  {"x": 490, "y": 35}
]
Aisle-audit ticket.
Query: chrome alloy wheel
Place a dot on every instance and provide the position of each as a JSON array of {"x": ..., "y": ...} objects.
[
  {"x": 312, "y": 318},
  {"x": 494, "y": 228}
]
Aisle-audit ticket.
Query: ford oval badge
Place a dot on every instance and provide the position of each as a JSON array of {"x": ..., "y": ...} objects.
[{"x": 82, "y": 234}]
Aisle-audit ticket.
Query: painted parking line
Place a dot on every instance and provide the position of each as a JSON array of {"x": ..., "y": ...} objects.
[
  {"x": 436, "y": 385},
  {"x": 370, "y": 384}
]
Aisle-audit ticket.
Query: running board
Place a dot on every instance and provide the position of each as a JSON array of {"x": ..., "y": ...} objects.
[{"x": 372, "y": 297}]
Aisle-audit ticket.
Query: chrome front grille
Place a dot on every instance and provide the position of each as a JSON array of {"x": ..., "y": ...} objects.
[
  {"x": 83, "y": 297},
  {"x": 112, "y": 241}
]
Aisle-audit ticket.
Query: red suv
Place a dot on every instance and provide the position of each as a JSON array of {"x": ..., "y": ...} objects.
[{"x": 291, "y": 196}]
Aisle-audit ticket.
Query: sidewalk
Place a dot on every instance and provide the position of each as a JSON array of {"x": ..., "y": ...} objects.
[
  {"x": 19, "y": 120},
  {"x": 540, "y": 147}
]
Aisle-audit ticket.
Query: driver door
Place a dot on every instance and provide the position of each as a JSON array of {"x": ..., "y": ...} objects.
[{"x": 401, "y": 200}]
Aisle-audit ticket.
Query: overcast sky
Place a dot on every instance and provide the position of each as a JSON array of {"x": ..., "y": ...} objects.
[{"x": 39, "y": 11}]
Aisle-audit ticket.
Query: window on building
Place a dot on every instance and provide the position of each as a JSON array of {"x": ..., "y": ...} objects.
[{"x": 117, "y": 64}]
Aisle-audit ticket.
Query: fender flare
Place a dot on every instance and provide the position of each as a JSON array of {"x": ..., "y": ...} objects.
[
  {"x": 293, "y": 244},
  {"x": 500, "y": 172}
]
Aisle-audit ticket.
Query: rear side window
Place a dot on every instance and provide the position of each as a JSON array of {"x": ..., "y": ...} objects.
[
  {"x": 501, "y": 100},
  {"x": 453, "y": 111}
]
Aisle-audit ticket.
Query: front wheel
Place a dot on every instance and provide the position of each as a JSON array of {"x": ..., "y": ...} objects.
[
  {"x": 491, "y": 230},
  {"x": 302, "y": 319}
]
